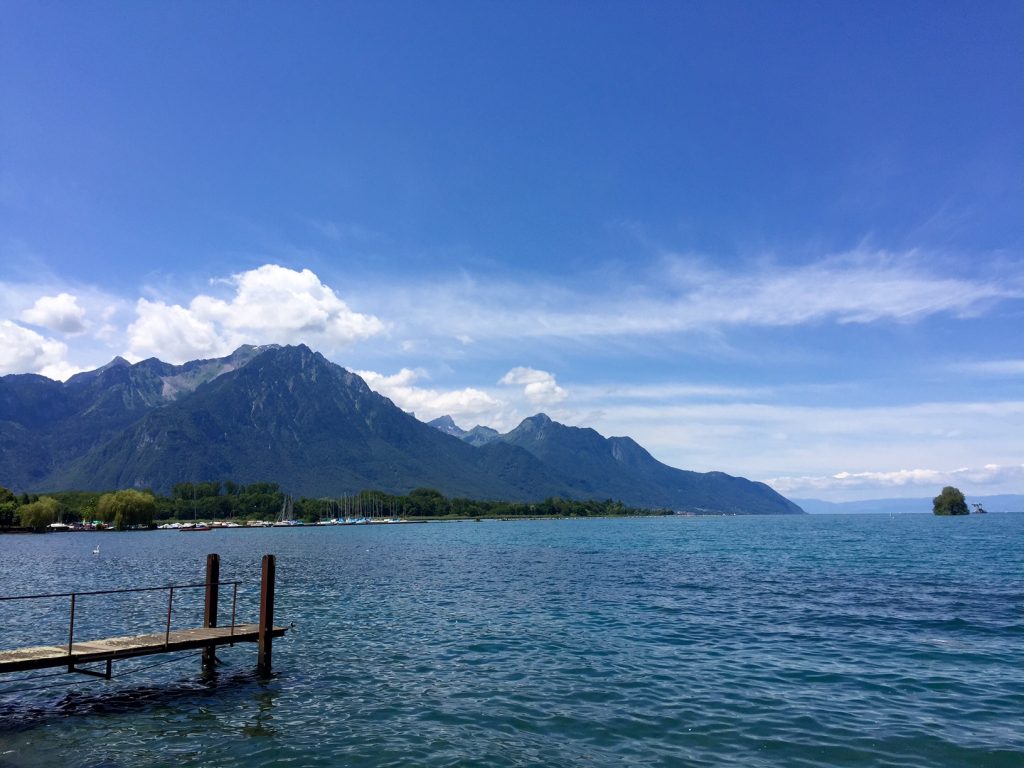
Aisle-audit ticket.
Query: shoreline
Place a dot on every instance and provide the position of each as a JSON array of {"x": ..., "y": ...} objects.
[{"x": 220, "y": 526}]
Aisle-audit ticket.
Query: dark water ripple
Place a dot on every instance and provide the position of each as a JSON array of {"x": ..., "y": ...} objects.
[{"x": 816, "y": 641}]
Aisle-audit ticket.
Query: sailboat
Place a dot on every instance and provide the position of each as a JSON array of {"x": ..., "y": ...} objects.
[
  {"x": 196, "y": 525},
  {"x": 284, "y": 517}
]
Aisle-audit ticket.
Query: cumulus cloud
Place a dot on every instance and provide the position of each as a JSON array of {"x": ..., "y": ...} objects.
[
  {"x": 22, "y": 349},
  {"x": 467, "y": 405},
  {"x": 270, "y": 305},
  {"x": 57, "y": 313},
  {"x": 173, "y": 333},
  {"x": 539, "y": 387},
  {"x": 502, "y": 408}
]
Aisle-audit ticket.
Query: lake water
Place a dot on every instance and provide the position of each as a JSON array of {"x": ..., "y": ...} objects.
[{"x": 729, "y": 641}]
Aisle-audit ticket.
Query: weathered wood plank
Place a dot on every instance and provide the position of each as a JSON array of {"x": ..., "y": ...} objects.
[{"x": 43, "y": 656}]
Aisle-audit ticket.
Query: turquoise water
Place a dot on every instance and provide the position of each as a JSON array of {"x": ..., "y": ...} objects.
[{"x": 796, "y": 641}]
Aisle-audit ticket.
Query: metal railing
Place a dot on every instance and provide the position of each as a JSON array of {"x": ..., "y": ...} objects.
[
  {"x": 262, "y": 633},
  {"x": 170, "y": 602}
]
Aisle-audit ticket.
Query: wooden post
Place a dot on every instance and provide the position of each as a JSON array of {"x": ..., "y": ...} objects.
[
  {"x": 210, "y": 607},
  {"x": 263, "y": 661}
]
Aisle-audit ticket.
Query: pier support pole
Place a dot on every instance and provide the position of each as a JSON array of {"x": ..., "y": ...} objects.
[
  {"x": 210, "y": 607},
  {"x": 263, "y": 660}
]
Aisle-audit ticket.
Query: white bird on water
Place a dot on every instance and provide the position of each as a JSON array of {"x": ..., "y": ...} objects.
[{"x": 97, "y": 550}]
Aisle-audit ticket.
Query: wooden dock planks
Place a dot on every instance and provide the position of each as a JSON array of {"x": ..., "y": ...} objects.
[{"x": 113, "y": 648}]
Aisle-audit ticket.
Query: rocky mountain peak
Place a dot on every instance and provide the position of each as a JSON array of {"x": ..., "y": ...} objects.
[{"x": 447, "y": 425}]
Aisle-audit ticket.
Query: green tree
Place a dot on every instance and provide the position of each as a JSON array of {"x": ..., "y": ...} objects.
[
  {"x": 8, "y": 503},
  {"x": 183, "y": 491},
  {"x": 39, "y": 514},
  {"x": 427, "y": 502},
  {"x": 950, "y": 502},
  {"x": 126, "y": 508},
  {"x": 7, "y": 513}
]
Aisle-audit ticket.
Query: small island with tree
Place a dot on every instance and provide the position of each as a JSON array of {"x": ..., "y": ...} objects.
[{"x": 950, "y": 502}]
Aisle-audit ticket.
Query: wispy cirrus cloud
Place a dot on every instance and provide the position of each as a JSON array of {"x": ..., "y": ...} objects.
[
  {"x": 682, "y": 295},
  {"x": 930, "y": 479},
  {"x": 665, "y": 393},
  {"x": 855, "y": 287},
  {"x": 996, "y": 368}
]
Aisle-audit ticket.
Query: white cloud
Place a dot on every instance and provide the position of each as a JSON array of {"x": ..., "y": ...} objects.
[
  {"x": 58, "y": 313},
  {"x": 521, "y": 392},
  {"x": 22, "y": 349},
  {"x": 346, "y": 231},
  {"x": 467, "y": 405},
  {"x": 271, "y": 305},
  {"x": 856, "y": 287},
  {"x": 664, "y": 393},
  {"x": 539, "y": 387},
  {"x": 989, "y": 474},
  {"x": 684, "y": 295},
  {"x": 1009, "y": 368},
  {"x": 173, "y": 334}
]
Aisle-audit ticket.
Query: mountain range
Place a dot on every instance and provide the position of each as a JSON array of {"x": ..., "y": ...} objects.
[{"x": 287, "y": 414}]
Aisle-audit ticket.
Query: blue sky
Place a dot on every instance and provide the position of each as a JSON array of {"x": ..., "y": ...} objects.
[{"x": 782, "y": 240}]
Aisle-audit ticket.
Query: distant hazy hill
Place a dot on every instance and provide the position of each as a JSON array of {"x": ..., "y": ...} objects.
[
  {"x": 1000, "y": 503},
  {"x": 617, "y": 467},
  {"x": 478, "y": 435},
  {"x": 289, "y": 415}
]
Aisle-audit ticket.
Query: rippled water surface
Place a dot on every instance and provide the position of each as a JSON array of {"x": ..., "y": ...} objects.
[{"x": 796, "y": 641}]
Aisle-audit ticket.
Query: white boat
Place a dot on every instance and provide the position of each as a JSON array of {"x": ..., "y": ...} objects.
[{"x": 285, "y": 517}]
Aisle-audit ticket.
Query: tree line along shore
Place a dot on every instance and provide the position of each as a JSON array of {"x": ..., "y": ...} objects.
[{"x": 228, "y": 501}]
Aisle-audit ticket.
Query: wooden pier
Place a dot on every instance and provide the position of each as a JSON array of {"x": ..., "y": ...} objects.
[{"x": 207, "y": 637}]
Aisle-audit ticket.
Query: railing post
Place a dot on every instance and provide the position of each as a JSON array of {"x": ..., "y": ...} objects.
[
  {"x": 234, "y": 605},
  {"x": 71, "y": 634},
  {"x": 170, "y": 605},
  {"x": 263, "y": 660},
  {"x": 210, "y": 607}
]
